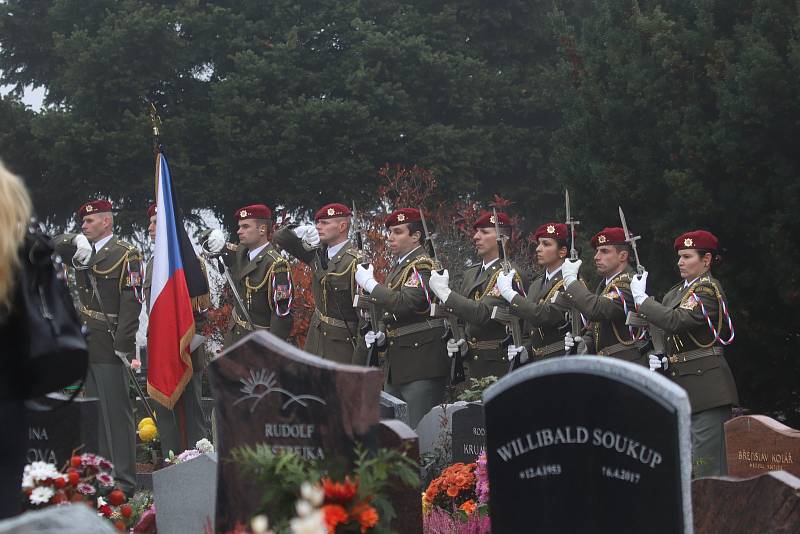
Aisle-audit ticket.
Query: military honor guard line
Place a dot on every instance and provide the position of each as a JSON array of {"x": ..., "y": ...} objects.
[{"x": 425, "y": 333}]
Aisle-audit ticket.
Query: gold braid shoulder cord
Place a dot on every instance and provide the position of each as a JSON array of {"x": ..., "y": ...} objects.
[
  {"x": 493, "y": 282},
  {"x": 278, "y": 265},
  {"x": 700, "y": 287},
  {"x": 606, "y": 291},
  {"x": 351, "y": 271}
]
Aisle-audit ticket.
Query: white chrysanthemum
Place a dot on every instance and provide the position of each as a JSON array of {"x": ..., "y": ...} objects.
[
  {"x": 27, "y": 481},
  {"x": 260, "y": 525},
  {"x": 313, "y": 523},
  {"x": 100, "y": 502},
  {"x": 41, "y": 495},
  {"x": 41, "y": 471},
  {"x": 313, "y": 494},
  {"x": 204, "y": 446},
  {"x": 303, "y": 508}
]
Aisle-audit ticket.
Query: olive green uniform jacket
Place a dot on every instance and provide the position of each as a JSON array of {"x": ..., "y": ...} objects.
[
  {"x": 415, "y": 343},
  {"x": 697, "y": 362},
  {"x": 117, "y": 269},
  {"x": 545, "y": 320},
  {"x": 605, "y": 309},
  {"x": 264, "y": 284},
  {"x": 487, "y": 339},
  {"x": 334, "y": 289}
]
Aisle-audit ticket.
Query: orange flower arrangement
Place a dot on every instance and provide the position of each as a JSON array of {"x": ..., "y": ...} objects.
[
  {"x": 341, "y": 507},
  {"x": 453, "y": 488}
]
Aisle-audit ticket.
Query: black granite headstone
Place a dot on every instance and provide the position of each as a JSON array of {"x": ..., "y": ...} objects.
[
  {"x": 469, "y": 433},
  {"x": 597, "y": 445},
  {"x": 53, "y": 435},
  {"x": 267, "y": 391}
]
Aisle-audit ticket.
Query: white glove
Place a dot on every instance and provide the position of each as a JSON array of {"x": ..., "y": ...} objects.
[
  {"x": 454, "y": 347},
  {"x": 639, "y": 288},
  {"x": 513, "y": 350},
  {"x": 83, "y": 250},
  {"x": 656, "y": 363},
  {"x": 570, "y": 341},
  {"x": 215, "y": 241},
  {"x": 440, "y": 284},
  {"x": 569, "y": 271},
  {"x": 308, "y": 234},
  {"x": 365, "y": 277},
  {"x": 374, "y": 337},
  {"x": 505, "y": 283}
]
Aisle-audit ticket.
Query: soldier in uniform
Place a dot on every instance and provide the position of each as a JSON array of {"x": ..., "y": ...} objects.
[
  {"x": 485, "y": 351},
  {"x": 545, "y": 320},
  {"x": 108, "y": 276},
  {"x": 416, "y": 362},
  {"x": 262, "y": 276},
  {"x": 334, "y": 330},
  {"x": 183, "y": 426},
  {"x": 693, "y": 320},
  {"x": 607, "y": 308}
]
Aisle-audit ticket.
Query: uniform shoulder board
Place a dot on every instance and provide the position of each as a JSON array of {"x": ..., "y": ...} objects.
[
  {"x": 359, "y": 255},
  {"x": 422, "y": 262},
  {"x": 277, "y": 257},
  {"x": 127, "y": 246}
]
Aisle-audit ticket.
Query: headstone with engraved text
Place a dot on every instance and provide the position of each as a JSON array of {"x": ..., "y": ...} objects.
[
  {"x": 598, "y": 444},
  {"x": 270, "y": 392},
  {"x": 53, "y": 435},
  {"x": 756, "y": 444}
]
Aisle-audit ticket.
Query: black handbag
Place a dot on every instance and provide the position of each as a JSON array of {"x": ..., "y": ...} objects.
[{"x": 46, "y": 348}]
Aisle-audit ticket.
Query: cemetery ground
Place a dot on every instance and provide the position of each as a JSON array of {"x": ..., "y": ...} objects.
[{"x": 303, "y": 445}]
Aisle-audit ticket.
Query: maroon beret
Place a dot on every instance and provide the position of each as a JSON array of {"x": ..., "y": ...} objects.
[
  {"x": 552, "y": 230},
  {"x": 697, "y": 239},
  {"x": 151, "y": 210},
  {"x": 94, "y": 206},
  {"x": 254, "y": 211},
  {"x": 330, "y": 211},
  {"x": 486, "y": 220},
  {"x": 609, "y": 236},
  {"x": 403, "y": 216}
]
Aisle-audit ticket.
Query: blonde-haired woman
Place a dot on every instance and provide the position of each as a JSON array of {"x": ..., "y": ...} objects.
[{"x": 15, "y": 211}]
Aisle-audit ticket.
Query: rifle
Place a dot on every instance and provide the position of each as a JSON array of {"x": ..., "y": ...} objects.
[
  {"x": 112, "y": 333},
  {"x": 364, "y": 301},
  {"x": 576, "y": 324},
  {"x": 502, "y": 314},
  {"x": 457, "y": 364}
]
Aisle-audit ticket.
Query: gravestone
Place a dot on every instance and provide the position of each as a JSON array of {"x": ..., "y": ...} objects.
[
  {"x": 53, "y": 435},
  {"x": 768, "y": 503},
  {"x": 267, "y": 391},
  {"x": 61, "y": 519},
  {"x": 393, "y": 408},
  {"x": 756, "y": 444},
  {"x": 469, "y": 433},
  {"x": 598, "y": 445},
  {"x": 394, "y": 434},
  {"x": 185, "y": 495},
  {"x": 434, "y": 430}
]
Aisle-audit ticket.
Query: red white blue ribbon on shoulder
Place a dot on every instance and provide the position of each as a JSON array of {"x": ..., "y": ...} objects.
[
  {"x": 275, "y": 296},
  {"x": 726, "y": 316}
]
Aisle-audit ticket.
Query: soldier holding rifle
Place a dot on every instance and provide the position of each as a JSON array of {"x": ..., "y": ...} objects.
[
  {"x": 414, "y": 344},
  {"x": 485, "y": 345},
  {"x": 332, "y": 257}
]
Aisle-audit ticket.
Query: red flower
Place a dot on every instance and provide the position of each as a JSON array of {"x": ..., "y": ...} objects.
[
  {"x": 74, "y": 477},
  {"x": 366, "y": 515},
  {"x": 60, "y": 482},
  {"x": 75, "y": 461},
  {"x": 334, "y": 515},
  {"x": 105, "y": 510},
  {"x": 116, "y": 497},
  {"x": 120, "y": 526},
  {"x": 338, "y": 492},
  {"x": 126, "y": 510}
]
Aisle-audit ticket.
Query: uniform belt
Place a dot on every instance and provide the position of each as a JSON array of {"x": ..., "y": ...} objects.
[
  {"x": 332, "y": 321},
  {"x": 547, "y": 350},
  {"x": 690, "y": 355},
  {"x": 246, "y": 325},
  {"x": 486, "y": 344},
  {"x": 415, "y": 328},
  {"x": 616, "y": 348},
  {"x": 98, "y": 315}
]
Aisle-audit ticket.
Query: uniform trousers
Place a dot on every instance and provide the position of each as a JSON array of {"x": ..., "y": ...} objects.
[
  {"x": 116, "y": 431},
  {"x": 182, "y": 427},
  {"x": 708, "y": 442},
  {"x": 420, "y": 395}
]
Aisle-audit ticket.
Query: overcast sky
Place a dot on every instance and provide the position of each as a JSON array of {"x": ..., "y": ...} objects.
[{"x": 32, "y": 97}]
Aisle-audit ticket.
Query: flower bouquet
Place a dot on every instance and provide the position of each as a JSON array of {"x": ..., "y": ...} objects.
[{"x": 457, "y": 500}]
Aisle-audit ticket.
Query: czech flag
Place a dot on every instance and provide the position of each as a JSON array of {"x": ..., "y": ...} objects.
[{"x": 171, "y": 326}]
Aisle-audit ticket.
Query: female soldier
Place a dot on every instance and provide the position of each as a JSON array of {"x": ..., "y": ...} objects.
[{"x": 694, "y": 318}]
